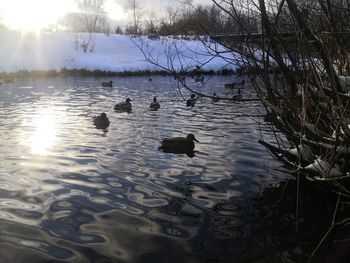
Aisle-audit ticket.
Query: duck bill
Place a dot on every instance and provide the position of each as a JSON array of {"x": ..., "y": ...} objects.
[{"x": 195, "y": 140}]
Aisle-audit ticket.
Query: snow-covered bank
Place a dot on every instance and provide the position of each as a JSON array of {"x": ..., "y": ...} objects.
[{"x": 114, "y": 53}]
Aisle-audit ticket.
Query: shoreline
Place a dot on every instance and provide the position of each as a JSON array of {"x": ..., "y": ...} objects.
[{"x": 100, "y": 73}]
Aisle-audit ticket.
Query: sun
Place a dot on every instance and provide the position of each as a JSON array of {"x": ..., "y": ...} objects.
[
  {"x": 33, "y": 15},
  {"x": 114, "y": 11}
]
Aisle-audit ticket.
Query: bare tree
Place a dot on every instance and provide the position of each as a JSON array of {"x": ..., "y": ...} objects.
[
  {"x": 93, "y": 19},
  {"x": 134, "y": 8},
  {"x": 297, "y": 55},
  {"x": 151, "y": 25}
]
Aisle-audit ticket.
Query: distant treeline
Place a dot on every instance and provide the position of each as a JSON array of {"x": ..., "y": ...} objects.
[
  {"x": 197, "y": 20},
  {"x": 102, "y": 73}
]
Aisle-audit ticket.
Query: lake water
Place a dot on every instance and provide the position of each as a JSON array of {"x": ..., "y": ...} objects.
[{"x": 73, "y": 193}]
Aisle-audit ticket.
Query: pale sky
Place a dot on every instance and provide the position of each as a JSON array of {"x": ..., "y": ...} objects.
[{"x": 36, "y": 14}]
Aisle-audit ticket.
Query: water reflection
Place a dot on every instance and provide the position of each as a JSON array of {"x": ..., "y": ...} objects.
[
  {"x": 189, "y": 153},
  {"x": 44, "y": 135},
  {"x": 70, "y": 194}
]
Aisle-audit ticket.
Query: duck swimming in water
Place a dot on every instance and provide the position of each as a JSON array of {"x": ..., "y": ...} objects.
[
  {"x": 107, "y": 84},
  {"x": 232, "y": 85},
  {"x": 191, "y": 101},
  {"x": 154, "y": 104},
  {"x": 102, "y": 121},
  {"x": 215, "y": 97},
  {"x": 123, "y": 106},
  {"x": 178, "y": 144},
  {"x": 199, "y": 79}
]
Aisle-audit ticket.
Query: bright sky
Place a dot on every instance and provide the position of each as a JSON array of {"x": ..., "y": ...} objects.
[{"x": 32, "y": 15}]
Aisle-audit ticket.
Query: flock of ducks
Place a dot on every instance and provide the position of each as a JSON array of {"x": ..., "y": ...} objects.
[
  {"x": 180, "y": 145},
  {"x": 174, "y": 144}
]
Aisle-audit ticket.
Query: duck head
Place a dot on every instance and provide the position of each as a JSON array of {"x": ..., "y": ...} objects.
[
  {"x": 191, "y": 137},
  {"x": 128, "y": 100}
]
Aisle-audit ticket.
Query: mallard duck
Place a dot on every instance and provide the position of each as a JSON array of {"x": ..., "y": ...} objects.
[
  {"x": 102, "y": 121},
  {"x": 154, "y": 104},
  {"x": 107, "y": 84},
  {"x": 215, "y": 98},
  {"x": 178, "y": 144},
  {"x": 123, "y": 106},
  {"x": 191, "y": 101}
]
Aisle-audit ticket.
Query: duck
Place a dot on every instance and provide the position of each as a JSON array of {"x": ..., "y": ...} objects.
[
  {"x": 215, "y": 97},
  {"x": 191, "y": 101},
  {"x": 3, "y": 81},
  {"x": 107, "y": 84},
  {"x": 237, "y": 97},
  {"x": 123, "y": 106},
  {"x": 179, "y": 77},
  {"x": 199, "y": 79},
  {"x": 179, "y": 144},
  {"x": 232, "y": 85},
  {"x": 154, "y": 104},
  {"x": 101, "y": 121}
]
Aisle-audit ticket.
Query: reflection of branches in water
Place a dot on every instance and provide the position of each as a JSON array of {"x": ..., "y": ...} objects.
[
  {"x": 274, "y": 221},
  {"x": 263, "y": 231}
]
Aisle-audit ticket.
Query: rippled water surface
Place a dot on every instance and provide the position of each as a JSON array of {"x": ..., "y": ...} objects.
[{"x": 73, "y": 193}]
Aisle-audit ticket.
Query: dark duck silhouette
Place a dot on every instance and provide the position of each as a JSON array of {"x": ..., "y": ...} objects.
[
  {"x": 101, "y": 121},
  {"x": 179, "y": 145},
  {"x": 199, "y": 79},
  {"x": 191, "y": 101},
  {"x": 232, "y": 85},
  {"x": 215, "y": 98},
  {"x": 154, "y": 104},
  {"x": 107, "y": 84},
  {"x": 123, "y": 106}
]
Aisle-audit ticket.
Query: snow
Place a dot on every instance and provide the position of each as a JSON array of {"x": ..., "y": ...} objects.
[
  {"x": 116, "y": 53},
  {"x": 323, "y": 167}
]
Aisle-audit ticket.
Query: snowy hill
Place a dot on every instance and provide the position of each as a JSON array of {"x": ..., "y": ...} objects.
[{"x": 117, "y": 53}]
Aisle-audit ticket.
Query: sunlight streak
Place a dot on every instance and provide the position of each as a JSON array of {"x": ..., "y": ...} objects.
[{"x": 42, "y": 135}]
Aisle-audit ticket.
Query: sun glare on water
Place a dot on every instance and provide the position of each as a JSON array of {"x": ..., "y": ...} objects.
[
  {"x": 41, "y": 131},
  {"x": 44, "y": 135}
]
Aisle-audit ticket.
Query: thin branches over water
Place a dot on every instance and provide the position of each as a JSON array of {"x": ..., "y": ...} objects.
[{"x": 297, "y": 56}]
